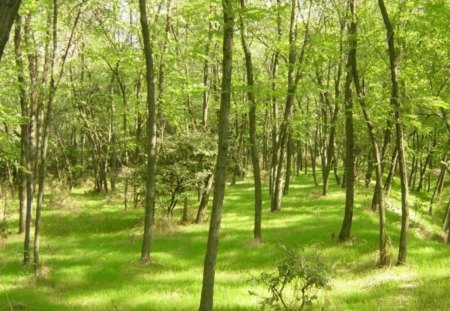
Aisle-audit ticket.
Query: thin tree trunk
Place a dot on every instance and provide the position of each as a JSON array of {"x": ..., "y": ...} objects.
[
  {"x": 205, "y": 103},
  {"x": 54, "y": 82},
  {"x": 204, "y": 199},
  {"x": 439, "y": 184},
  {"x": 370, "y": 127},
  {"x": 151, "y": 139},
  {"x": 252, "y": 129},
  {"x": 209, "y": 267},
  {"x": 427, "y": 162},
  {"x": 30, "y": 150},
  {"x": 397, "y": 106},
  {"x": 23, "y": 126},
  {"x": 293, "y": 79},
  {"x": 288, "y": 165},
  {"x": 349, "y": 135}
]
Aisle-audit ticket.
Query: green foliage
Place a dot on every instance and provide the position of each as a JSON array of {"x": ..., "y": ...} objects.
[
  {"x": 184, "y": 162},
  {"x": 296, "y": 282}
]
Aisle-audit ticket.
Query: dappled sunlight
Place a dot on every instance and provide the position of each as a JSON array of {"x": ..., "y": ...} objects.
[{"x": 92, "y": 257}]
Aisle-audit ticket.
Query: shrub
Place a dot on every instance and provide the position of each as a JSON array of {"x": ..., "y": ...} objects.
[{"x": 295, "y": 284}]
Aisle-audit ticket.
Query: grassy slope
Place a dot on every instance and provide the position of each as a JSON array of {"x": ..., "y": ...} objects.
[{"x": 91, "y": 256}]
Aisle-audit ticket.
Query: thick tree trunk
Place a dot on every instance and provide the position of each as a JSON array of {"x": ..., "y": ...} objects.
[
  {"x": 252, "y": 129},
  {"x": 206, "y": 301},
  {"x": 8, "y": 13},
  {"x": 397, "y": 106},
  {"x": 151, "y": 139}
]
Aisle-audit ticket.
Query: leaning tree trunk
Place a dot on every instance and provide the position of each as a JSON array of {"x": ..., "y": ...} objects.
[
  {"x": 293, "y": 79},
  {"x": 397, "y": 106},
  {"x": 151, "y": 151},
  {"x": 8, "y": 13},
  {"x": 204, "y": 199},
  {"x": 54, "y": 83},
  {"x": 252, "y": 129},
  {"x": 370, "y": 127},
  {"x": 206, "y": 301}
]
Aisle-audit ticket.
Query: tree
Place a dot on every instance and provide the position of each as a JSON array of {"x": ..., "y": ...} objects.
[
  {"x": 151, "y": 139},
  {"x": 349, "y": 135},
  {"x": 206, "y": 301},
  {"x": 371, "y": 130},
  {"x": 252, "y": 128},
  {"x": 399, "y": 132},
  {"x": 8, "y": 13}
]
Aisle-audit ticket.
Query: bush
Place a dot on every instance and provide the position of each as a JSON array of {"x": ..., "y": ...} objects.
[{"x": 295, "y": 284}]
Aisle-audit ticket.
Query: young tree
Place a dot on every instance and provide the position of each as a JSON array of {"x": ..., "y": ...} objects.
[
  {"x": 353, "y": 33},
  {"x": 151, "y": 151},
  {"x": 252, "y": 127},
  {"x": 349, "y": 135},
  {"x": 399, "y": 135},
  {"x": 206, "y": 301}
]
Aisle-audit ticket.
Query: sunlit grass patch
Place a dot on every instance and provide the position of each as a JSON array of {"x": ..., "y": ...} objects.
[{"x": 91, "y": 256}]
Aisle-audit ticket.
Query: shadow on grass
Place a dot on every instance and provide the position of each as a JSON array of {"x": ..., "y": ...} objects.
[{"x": 91, "y": 256}]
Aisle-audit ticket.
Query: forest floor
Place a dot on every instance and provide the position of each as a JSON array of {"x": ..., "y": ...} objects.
[{"x": 91, "y": 246}]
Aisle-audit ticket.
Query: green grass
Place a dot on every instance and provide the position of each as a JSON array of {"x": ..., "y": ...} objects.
[{"x": 90, "y": 257}]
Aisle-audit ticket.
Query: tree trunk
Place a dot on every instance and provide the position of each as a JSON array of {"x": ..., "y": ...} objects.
[
  {"x": 287, "y": 178},
  {"x": 30, "y": 147},
  {"x": 8, "y": 13},
  {"x": 293, "y": 79},
  {"x": 390, "y": 178},
  {"x": 206, "y": 301},
  {"x": 349, "y": 136},
  {"x": 446, "y": 222},
  {"x": 439, "y": 185},
  {"x": 397, "y": 106},
  {"x": 151, "y": 139},
  {"x": 372, "y": 134},
  {"x": 23, "y": 126},
  {"x": 252, "y": 129},
  {"x": 205, "y": 103},
  {"x": 204, "y": 199}
]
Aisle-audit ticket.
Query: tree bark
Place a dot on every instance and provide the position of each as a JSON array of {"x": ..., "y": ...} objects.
[
  {"x": 206, "y": 302},
  {"x": 8, "y": 13},
  {"x": 293, "y": 79},
  {"x": 252, "y": 129},
  {"x": 397, "y": 106},
  {"x": 209, "y": 267},
  {"x": 151, "y": 139},
  {"x": 23, "y": 126},
  {"x": 349, "y": 136},
  {"x": 372, "y": 134},
  {"x": 204, "y": 199}
]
